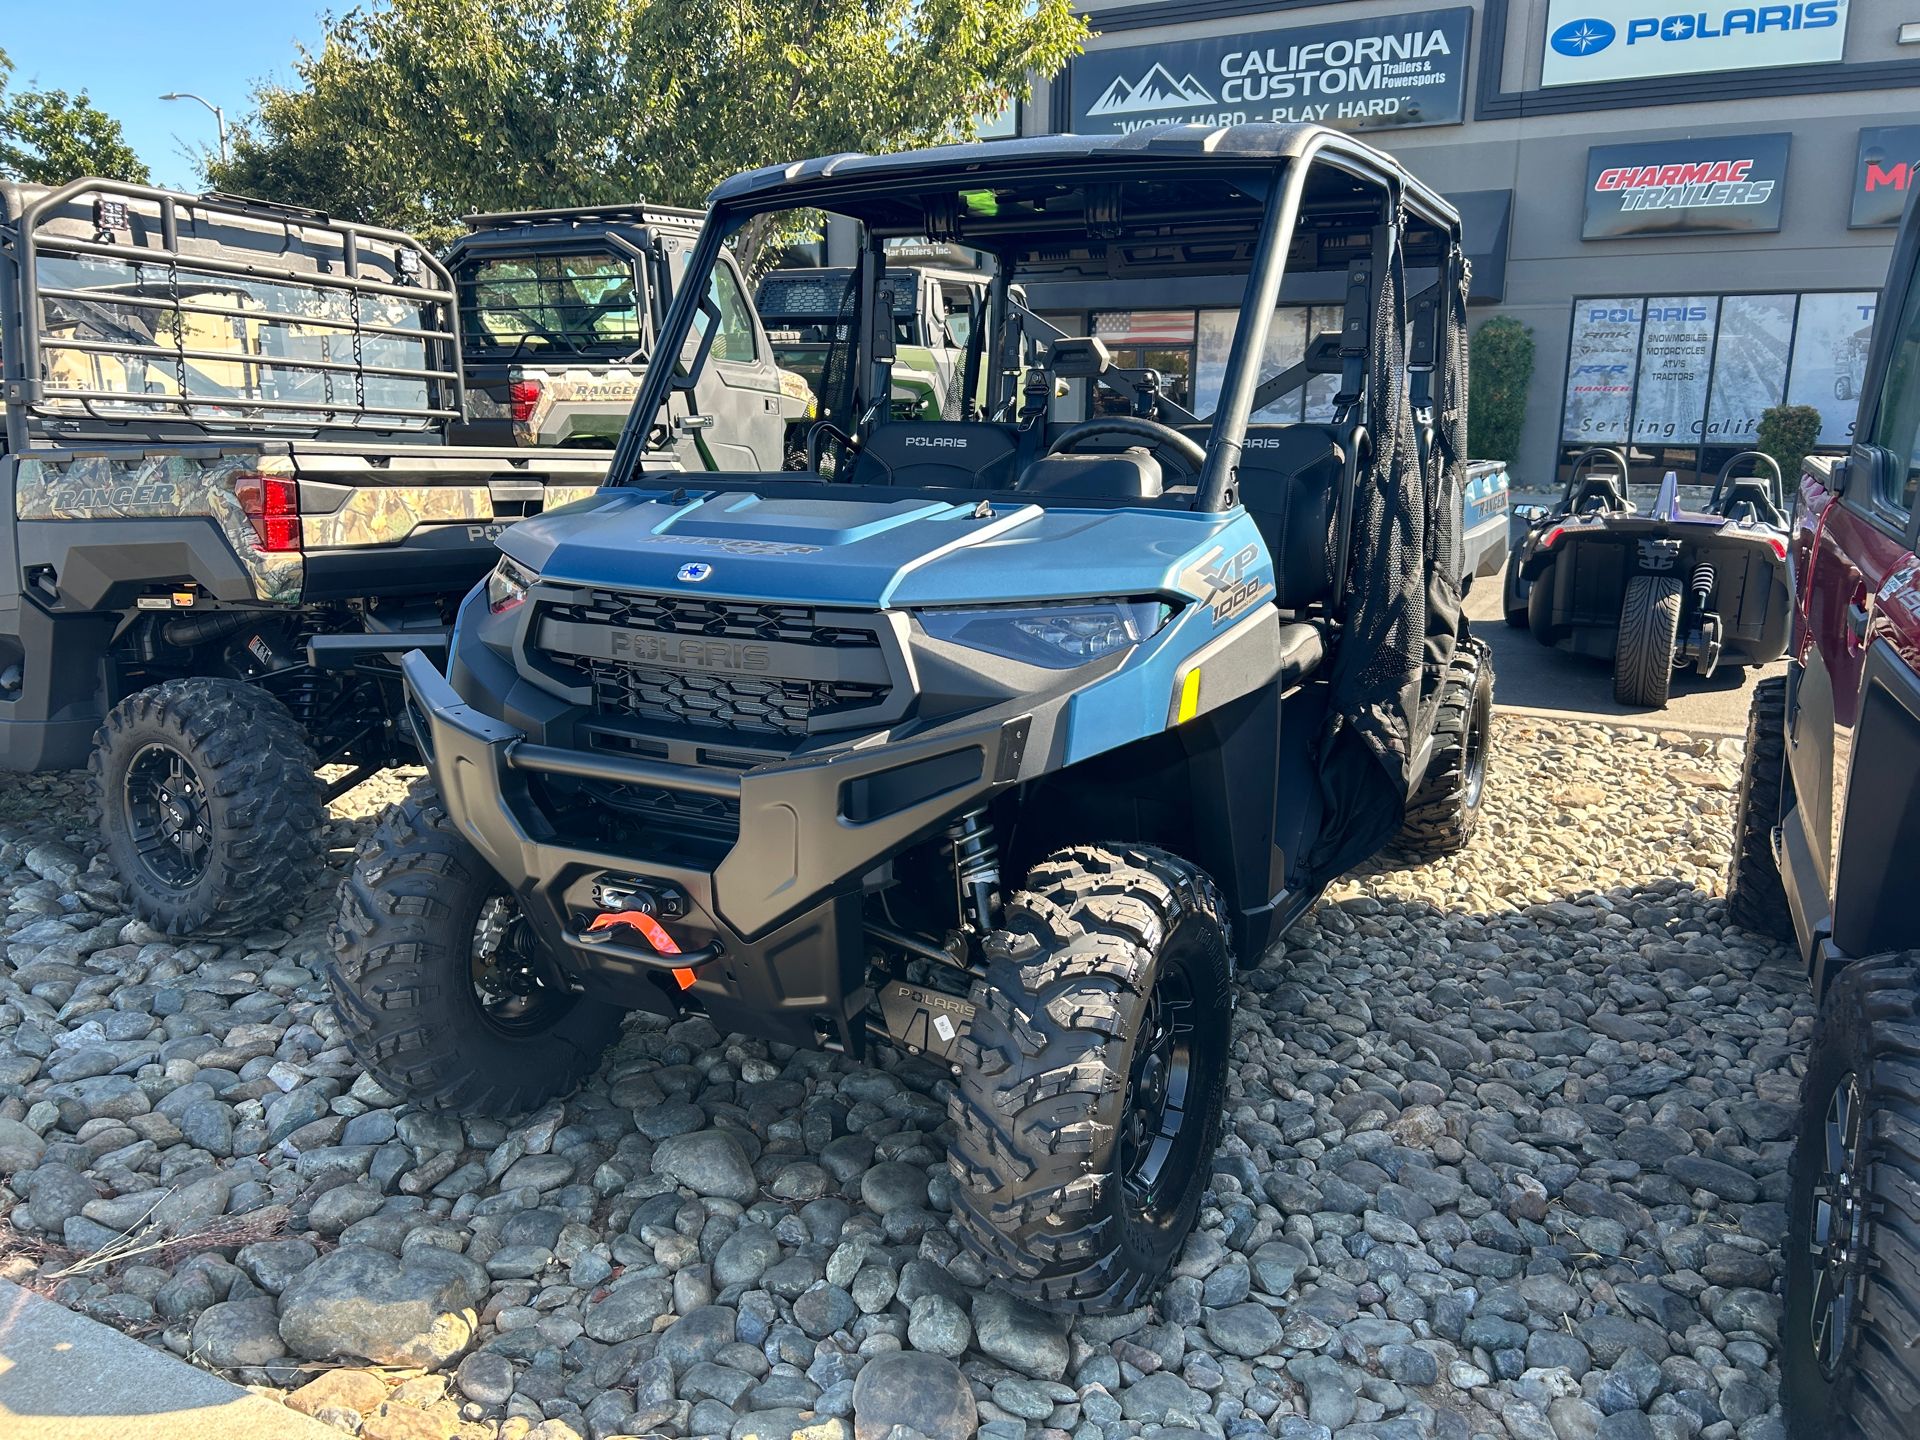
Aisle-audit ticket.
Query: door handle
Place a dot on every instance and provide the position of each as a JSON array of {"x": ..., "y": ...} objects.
[{"x": 1859, "y": 617}]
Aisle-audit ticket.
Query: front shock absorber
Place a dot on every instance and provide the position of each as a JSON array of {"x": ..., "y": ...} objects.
[
  {"x": 976, "y": 868},
  {"x": 1703, "y": 582}
]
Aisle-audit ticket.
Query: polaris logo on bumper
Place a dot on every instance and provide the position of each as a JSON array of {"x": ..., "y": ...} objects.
[{"x": 694, "y": 571}]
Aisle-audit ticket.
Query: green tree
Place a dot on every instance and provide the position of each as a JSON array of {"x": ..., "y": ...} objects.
[
  {"x": 1789, "y": 434},
  {"x": 413, "y": 113},
  {"x": 1500, "y": 368},
  {"x": 51, "y": 137}
]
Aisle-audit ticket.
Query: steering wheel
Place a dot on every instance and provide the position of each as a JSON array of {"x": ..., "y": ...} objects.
[{"x": 1189, "y": 451}]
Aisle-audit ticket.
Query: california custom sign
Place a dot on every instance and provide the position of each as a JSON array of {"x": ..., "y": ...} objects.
[
  {"x": 1392, "y": 72},
  {"x": 1729, "y": 184}
]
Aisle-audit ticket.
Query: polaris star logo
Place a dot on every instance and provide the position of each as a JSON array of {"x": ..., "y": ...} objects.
[
  {"x": 693, "y": 572},
  {"x": 1582, "y": 37},
  {"x": 1155, "y": 90}
]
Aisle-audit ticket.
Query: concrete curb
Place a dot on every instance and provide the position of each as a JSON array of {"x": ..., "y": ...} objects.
[{"x": 65, "y": 1377}]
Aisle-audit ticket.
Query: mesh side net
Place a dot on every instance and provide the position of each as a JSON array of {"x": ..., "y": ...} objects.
[{"x": 1402, "y": 615}]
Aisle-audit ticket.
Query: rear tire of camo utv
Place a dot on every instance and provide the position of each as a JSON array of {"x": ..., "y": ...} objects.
[
  {"x": 1092, "y": 1076},
  {"x": 442, "y": 990},
  {"x": 1849, "y": 1369},
  {"x": 1647, "y": 642},
  {"x": 207, "y": 800},
  {"x": 1756, "y": 899},
  {"x": 1445, "y": 811}
]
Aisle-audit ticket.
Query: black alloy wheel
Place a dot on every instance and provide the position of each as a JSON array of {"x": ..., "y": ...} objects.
[
  {"x": 1838, "y": 1241},
  {"x": 1160, "y": 1133},
  {"x": 168, "y": 816}
]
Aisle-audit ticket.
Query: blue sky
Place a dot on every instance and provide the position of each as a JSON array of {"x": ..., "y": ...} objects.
[{"x": 126, "y": 54}]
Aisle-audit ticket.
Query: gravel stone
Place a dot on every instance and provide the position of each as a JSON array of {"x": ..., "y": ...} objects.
[
  {"x": 362, "y": 1302},
  {"x": 925, "y": 1393}
]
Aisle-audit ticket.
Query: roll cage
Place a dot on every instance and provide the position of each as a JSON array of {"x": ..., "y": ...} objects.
[{"x": 1286, "y": 200}]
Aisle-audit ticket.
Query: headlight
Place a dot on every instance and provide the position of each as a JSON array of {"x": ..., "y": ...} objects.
[
  {"x": 1056, "y": 637},
  {"x": 506, "y": 586}
]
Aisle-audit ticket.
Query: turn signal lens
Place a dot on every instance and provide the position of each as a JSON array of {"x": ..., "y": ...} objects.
[{"x": 506, "y": 586}]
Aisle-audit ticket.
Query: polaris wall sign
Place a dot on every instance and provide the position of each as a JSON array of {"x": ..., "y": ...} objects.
[
  {"x": 1594, "y": 40},
  {"x": 1730, "y": 184},
  {"x": 1398, "y": 71}
]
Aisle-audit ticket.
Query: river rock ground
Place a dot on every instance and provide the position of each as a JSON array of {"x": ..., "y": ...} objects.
[{"x": 1505, "y": 1155}]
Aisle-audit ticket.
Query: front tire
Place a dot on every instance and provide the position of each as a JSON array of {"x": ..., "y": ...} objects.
[
  {"x": 442, "y": 992},
  {"x": 1756, "y": 900},
  {"x": 1445, "y": 811},
  {"x": 1849, "y": 1370},
  {"x": 1647, "y": 642},
  {"x": 209, "y": 805},
  {"x": 1092, "y": 1076}
]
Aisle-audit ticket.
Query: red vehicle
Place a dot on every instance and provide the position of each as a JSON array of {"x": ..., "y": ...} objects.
[{"x": 1827, "y": 856}]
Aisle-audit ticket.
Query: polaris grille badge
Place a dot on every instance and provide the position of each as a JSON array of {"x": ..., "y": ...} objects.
[{"x": 694, "y": 571}]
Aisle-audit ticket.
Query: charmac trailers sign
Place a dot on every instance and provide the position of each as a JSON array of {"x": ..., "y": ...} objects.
[
  {"x": 1397, "y": 71},
  {"x": 1725, "y": 185},
  {"x": 1594, "y": 40}
]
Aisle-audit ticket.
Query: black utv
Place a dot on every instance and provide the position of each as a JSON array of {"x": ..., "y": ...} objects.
[
  {"x": 1660, "y": 589},
  {"x": 1004, "y": 745}
]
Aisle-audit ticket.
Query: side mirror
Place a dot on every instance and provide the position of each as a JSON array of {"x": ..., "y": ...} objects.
[{"x": 1531, "y": 513}]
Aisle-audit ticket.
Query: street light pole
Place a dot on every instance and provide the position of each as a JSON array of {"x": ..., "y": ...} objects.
[{"x": 219, "y": 115}]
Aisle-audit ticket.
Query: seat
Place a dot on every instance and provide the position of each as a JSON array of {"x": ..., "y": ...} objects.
[
  {"x": 938, "y": 455},
  {"x": 1290, "y": 484},
  {"x": 1751, "y": 499},
  {"x": 1599, "y": 494}
]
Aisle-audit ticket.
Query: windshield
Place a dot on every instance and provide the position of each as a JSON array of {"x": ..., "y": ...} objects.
[
  {"x": 586, "y": 301},
  {"x": 1092, "y": 354}
]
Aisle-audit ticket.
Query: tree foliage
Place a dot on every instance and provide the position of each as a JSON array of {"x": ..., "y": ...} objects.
[
  {"x": 413, "y": 113},
  {"x": 1789, "y": 433},
  {"x": 51, "y": 137},
  {"x": 1500, "y": 369}
]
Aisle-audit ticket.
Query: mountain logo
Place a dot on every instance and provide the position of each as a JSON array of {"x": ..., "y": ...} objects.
[{"x": 1155, "y": 90}]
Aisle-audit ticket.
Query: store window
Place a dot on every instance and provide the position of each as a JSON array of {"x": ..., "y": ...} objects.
[
  {"x": 1161, "y": 340},
  {"x": 1681, "y": 381}
]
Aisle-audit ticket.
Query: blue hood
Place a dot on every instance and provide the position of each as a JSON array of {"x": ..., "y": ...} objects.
[{"x": 861, "y": 553}]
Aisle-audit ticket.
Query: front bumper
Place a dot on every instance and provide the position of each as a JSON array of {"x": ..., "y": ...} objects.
[{"x": 781, "y": 907}]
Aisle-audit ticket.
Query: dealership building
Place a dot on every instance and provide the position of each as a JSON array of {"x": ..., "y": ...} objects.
[{"x": 1690, "y": 205}]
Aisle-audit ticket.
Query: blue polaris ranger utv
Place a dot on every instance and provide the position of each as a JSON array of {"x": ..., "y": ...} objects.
[{"x": 1000, "y": 740}]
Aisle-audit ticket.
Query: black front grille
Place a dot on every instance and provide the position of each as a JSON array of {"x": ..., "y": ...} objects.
[
  {"x": 721, "y": 667},
  {"x": 731, "y": 702}
]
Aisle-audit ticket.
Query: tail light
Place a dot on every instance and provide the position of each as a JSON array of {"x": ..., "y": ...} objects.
[
  {"x": 1779, "y": 547},
  {"x": 272, "y": 506},
  {"x": 1552, "y": 537},
  {"x": 523, "y": 397}
]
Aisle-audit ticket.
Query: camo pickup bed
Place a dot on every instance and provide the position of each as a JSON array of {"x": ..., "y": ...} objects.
[{"x": 279, "y": 523}]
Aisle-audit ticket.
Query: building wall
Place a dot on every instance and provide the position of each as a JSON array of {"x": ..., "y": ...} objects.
[{"x": 1534, "y": 142}]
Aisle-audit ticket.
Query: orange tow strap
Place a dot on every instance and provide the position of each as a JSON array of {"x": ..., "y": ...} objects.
[{"x": 655, "y": 932}]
